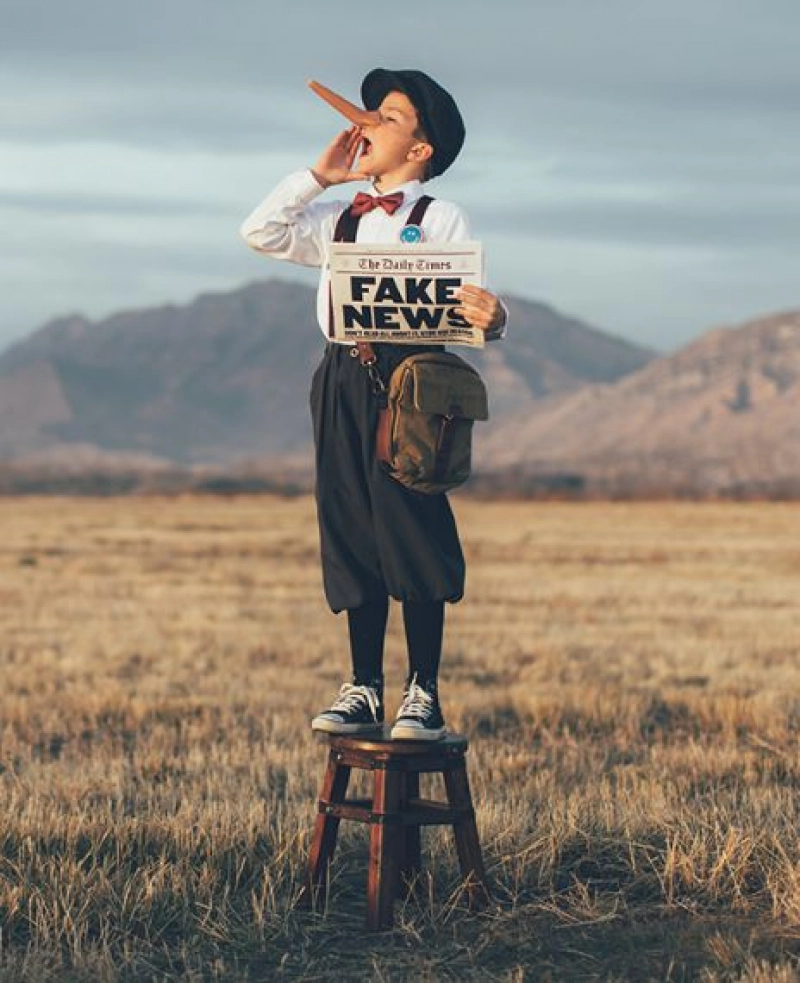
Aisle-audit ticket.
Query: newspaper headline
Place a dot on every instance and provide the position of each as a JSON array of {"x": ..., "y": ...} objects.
[{"x": 405, "y": 294}]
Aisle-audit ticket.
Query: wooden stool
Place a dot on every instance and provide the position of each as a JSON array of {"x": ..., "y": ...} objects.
[{"x": 395, "y": 814}]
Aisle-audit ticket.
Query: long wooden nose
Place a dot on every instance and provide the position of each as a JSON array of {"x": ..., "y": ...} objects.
[{"x": 361, "y": 117}]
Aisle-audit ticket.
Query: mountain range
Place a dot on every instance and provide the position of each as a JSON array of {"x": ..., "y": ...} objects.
[
  {"x": 223, "y": 382},
  {"x": 722, "y": 413}
]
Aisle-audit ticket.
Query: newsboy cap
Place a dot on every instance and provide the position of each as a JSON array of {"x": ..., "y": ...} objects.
[{"x": 436, "y": 108}]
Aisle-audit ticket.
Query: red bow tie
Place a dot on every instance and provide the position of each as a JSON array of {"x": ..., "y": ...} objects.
[{"x": 365, "y": 203}]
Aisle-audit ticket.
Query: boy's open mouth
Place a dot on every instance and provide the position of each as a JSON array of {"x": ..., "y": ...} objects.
[{"x": 366, "y": 146}]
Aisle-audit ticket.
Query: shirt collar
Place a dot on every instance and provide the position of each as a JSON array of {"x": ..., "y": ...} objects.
[{"x": 411, "y": 191}]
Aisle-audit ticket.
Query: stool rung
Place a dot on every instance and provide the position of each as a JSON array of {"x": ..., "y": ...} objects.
[
  {"x": 418, "y": 812},
  {"x": 429, "y": 812},
  {"x": 358, "y": 809}
]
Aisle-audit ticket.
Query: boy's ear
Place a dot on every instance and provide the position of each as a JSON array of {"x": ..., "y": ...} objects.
[{"x": 421, "y": 152}]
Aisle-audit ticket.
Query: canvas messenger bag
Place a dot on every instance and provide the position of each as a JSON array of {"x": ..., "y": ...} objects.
[
  {"x": 424, "y": 435},
  {"x": 427, "y": 408}
]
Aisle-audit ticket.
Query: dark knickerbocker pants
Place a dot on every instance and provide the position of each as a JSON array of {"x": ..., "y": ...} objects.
[{"x": 376, "y": 535}]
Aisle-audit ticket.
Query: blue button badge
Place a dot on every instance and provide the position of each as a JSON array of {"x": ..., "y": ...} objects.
[{"x": 411, "y": 234}]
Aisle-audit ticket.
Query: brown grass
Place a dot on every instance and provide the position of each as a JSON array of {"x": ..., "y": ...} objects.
[{"x": 628, "y": 675}]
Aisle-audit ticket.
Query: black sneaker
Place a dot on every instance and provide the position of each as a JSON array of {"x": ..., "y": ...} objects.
[
  {"x": 420, "y": 716},
  {"x": 357, "y": 708}
]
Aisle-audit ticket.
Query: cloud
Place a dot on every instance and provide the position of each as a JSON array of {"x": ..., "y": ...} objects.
[
  {"x": 691, "y": 219},
  {"x": 611, "y": 144},
  {"x": 63, "y": 203}
]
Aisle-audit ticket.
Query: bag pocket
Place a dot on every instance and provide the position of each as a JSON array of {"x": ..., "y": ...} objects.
[{"x": 434, "y": 399}]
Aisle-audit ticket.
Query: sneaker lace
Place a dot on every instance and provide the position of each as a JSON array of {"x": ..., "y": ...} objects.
[
  {"x": 351, "y": 697},
  {"x": 416, "y": 702}
]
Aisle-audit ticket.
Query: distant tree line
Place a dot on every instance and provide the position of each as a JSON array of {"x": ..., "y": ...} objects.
[{"x": 512, "y": 484}]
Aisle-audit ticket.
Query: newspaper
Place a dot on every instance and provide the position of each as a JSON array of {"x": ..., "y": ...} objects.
[{"x": 403, "y": 294}]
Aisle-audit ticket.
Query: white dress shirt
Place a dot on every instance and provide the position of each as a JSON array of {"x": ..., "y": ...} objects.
[{"x": 290, "y": 224}]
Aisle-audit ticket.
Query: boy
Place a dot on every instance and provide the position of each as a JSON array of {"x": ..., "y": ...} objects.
[{"x": 378, "y": 539}]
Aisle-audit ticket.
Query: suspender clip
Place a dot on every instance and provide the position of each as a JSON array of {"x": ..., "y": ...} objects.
[{"x": 378, "y": 385}]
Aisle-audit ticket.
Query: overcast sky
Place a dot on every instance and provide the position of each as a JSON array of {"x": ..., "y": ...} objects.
[{"x": 634, "y": 163}]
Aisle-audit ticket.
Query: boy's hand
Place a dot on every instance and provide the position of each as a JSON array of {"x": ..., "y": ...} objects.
[
  {"x": 336, "y": 161},
  {"x": 480, "y": 307}
]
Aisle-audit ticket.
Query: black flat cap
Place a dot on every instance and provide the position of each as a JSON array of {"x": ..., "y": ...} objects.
[{"x": 437, "y": 110}]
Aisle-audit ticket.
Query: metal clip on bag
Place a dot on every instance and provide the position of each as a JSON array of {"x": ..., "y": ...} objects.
[{"x": 425, "y": 433}]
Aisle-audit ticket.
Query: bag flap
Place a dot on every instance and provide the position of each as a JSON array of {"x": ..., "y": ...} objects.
[{"x": 449, "y": 391}]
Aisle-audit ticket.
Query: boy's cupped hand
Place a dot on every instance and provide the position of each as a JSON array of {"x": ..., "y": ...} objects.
[{"x": 335, "y": 165}]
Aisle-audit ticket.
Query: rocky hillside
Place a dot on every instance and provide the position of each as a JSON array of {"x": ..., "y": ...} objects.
[
  {"x": 226, "y": 377},
  {"x": 722, "y": 412}
]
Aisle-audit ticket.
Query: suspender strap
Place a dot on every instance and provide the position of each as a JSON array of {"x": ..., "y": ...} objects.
[
  {"x": 419, "y": 209},
  {"x": 346, "y": 226},
  {"x": 345, "y": 231},
  {"x": 347, "y": 223}
]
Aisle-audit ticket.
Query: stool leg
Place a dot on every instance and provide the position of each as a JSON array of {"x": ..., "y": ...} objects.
[
  {"x": 384, "y": 846},
  {"x": 326, "y": 828},
  {"x": 411, "y": 836},
  {"x": 466, "y": 836}
]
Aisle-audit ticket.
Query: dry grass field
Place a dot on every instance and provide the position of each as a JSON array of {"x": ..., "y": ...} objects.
[{"x": 627, "y": 674}]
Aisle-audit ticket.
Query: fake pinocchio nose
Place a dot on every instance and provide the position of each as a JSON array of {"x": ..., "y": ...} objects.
[{"x": 361, "y": 117}]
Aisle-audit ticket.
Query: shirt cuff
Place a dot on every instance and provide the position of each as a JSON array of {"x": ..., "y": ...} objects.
[
  {"x": 313, "y": 183},
  {"x": 302, "y": 186},
  {"x": 497, "y": 334},
  {"x": 291, "y": 194}
]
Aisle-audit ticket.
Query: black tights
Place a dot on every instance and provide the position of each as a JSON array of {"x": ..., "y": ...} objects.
[{"x": 424, "y": 625}]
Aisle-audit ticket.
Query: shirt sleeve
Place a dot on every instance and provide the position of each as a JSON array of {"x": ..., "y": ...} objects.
[
  {"x": 452, "y": 225},
  {"x": 290, "y": 224}
]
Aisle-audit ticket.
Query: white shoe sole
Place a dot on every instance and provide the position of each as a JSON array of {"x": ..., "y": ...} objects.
[
  {"x": 404, "y": 732},
  {"x": 326, "y": 726}
]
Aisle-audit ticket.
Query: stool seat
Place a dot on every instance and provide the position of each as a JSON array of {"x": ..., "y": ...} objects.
[
  {"x": 395, "y": 813},
  {"x": 380, "y": 740}
]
